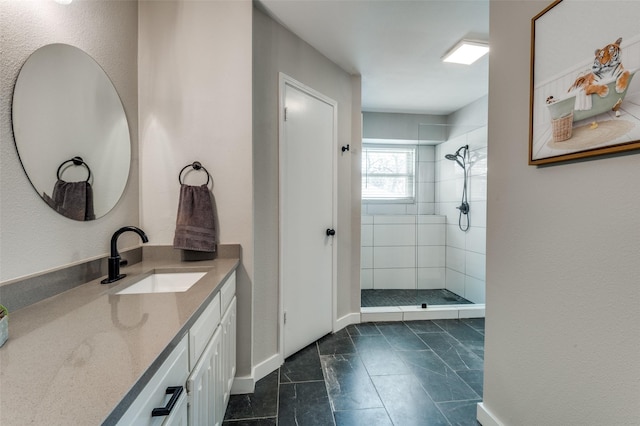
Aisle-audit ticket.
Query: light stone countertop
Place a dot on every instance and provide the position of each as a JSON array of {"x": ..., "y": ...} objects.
[{"x": 81, "y": 357}]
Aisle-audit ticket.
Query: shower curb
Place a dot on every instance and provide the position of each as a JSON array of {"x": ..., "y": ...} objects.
[{"x": 416, "y": 313}]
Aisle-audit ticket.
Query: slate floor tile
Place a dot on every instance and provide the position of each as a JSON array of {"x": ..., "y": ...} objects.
[
  {"x": 478, "y": 351},
  {"x": 392, "y": 328},
  {"x": 475, "y": 347},
  {"x": 363, "y": 329},
  {"x": 303, "y": 366},
  {"x": 366, "y": 417},
  {"x": 271, "y": 421},
  {"x": 378, "y": 356},
  {"x": 406, "y": 401},
  {"x": 348, "y": 383},
  {"x": 474, "y": 378},
  {"x": 304, "y": 404},
  {"x": 401, "y": 337},
  {"x": 409, "y": 342},
  {"x": 453, "y": 353},
  {"x": 460, "y": 331},
  {"x": 338, "y": 343},
  {"x": 437, "y": 379},
  {"x": 262, "y": 403},
  {"x": 371, "y": 343},
  {"x": 424, "y": 327},
  {"x": 460, "y": 413},
  {"x": 475, "y": 323}
]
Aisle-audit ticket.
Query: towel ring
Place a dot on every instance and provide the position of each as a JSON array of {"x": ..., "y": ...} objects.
[
  {"x": 77, "y": 161},
  {"x": 196, "y": 166}
]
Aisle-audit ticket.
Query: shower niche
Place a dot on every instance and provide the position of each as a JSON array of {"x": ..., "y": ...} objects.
[{"x": 427, "y": 251}]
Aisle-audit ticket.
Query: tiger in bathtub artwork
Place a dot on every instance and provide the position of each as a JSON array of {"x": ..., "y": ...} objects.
[{"x": 606, "y": 65}]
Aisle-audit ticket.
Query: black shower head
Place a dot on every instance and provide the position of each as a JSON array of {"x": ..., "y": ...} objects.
[{"x": 457, "y": 156}]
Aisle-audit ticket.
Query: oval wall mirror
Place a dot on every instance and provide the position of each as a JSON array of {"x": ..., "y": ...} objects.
[{"x": 71, "y": 132}]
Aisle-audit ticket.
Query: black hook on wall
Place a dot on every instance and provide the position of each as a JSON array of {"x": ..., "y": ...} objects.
[{"x": 345, "y": 148}]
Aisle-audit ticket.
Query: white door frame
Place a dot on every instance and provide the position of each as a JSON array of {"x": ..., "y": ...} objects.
[{"x": 285, "y": 80}]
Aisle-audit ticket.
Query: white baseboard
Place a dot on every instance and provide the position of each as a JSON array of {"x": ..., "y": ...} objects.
[
  {"x": 247, "y": 384},
  {"x": 267, "y": 366},
  {"x": 241, "y": 385},
  {"x": 352, "y": 318},
  {"x": 386, "y": 315},
  {"x": 486, "y": 417}
]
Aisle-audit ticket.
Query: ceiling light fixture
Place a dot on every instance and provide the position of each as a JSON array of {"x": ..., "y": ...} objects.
[{"x": 466, "y": 52}]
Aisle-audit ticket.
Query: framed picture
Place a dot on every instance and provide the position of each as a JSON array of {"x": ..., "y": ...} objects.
[{"x": 585, "y": 94}]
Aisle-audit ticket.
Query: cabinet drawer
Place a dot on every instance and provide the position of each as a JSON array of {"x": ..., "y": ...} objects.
[
  {"x": 202, "y": 330},
  {"x": 228, "y": 291},
  {"x": 173, "y": 372}
]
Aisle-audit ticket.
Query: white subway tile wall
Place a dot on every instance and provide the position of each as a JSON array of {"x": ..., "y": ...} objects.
[
  {"x": 394, "y": 257},
  {"x": 466, "y": 251},
  {"x": 366, "y": 279},
  {"x": 403, "y": 252},
  {"x": 394, "y": 278},
  {"x": 431, "y": 278}
]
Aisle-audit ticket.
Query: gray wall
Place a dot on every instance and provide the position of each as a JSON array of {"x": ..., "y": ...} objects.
[
  {"x": 414, "y": 127},
  {"x": 275, "y": 50},
  {"x": 562, "y": 319},
  {"x": 195, "y": 104},
  {"x": 34, "y": 237}
]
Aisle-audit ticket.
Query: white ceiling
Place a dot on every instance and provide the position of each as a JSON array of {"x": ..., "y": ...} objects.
[{"x": 396, "y": 46}]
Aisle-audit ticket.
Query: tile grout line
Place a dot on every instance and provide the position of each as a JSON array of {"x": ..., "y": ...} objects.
[
  {"x": 324, "y": 379},
  {"x": 278, "y": 397},
  {"x": 447, "y": 365},
  {"x": 374, "y": 386}
]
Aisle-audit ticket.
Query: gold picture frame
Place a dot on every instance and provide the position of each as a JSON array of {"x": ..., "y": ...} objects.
[{"x": 584, "y": 99}]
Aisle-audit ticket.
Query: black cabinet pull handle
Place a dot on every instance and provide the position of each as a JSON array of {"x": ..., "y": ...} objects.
[
  {"x": 331, "y": 232},
  {"x": 164, "y": 411}
]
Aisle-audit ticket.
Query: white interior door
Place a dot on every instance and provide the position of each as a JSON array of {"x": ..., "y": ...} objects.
[{"x": 307, "y": 182}]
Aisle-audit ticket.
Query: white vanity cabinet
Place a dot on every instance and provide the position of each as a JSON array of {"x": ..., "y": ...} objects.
[
  {"x": 202, "y": 366},
  {"x": 213, "y": 367},
  {"x": 163, "y": 400}
]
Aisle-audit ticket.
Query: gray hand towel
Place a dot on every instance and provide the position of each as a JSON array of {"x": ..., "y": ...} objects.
[
  {"x": 72, "y": 199},
  {"x": 196, "y": 222}
]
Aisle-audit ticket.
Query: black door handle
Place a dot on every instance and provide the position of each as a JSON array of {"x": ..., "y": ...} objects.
[{"x": 331, "y": 232}]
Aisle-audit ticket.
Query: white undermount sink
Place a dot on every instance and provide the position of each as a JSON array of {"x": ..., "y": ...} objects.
[{"x": 169, "y": 282}]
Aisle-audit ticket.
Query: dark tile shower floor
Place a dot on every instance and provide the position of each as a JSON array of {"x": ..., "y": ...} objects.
[
  {"x": 371, "y": 298},
  {"x": 385, "y": 373}
]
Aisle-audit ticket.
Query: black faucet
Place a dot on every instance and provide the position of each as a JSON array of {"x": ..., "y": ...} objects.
[{"x": 114, "y": 259}]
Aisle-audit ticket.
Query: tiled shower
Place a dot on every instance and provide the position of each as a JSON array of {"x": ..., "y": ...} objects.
[{"x": 419, "y": 245}]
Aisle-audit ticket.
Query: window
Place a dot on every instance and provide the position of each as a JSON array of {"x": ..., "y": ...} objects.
[{"x": 388, "y": 173}]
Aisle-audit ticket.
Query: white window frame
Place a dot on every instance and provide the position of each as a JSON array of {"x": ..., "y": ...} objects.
[{"x": 414, "y": 176}]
